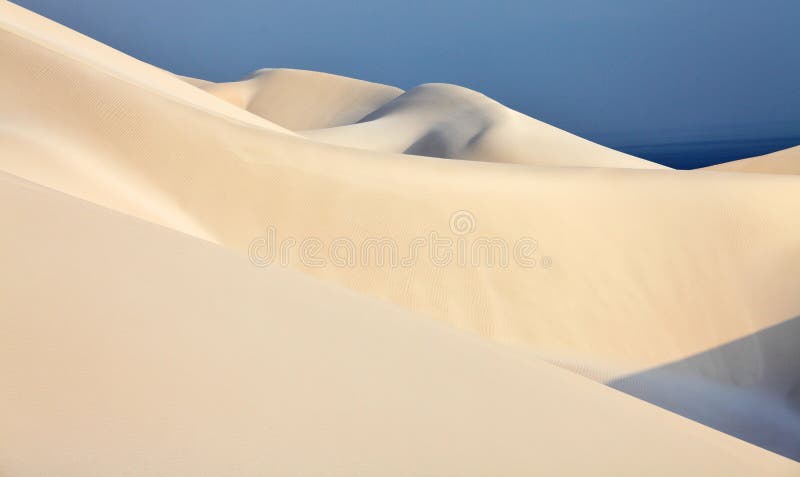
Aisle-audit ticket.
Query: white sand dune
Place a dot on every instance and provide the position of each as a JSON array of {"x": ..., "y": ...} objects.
[
  {"x": 157, "y": 354},
  {"x": 298, "y": 100},
  {"x": 453, "y": 122},
  {"x": 786, "y": 161},
  {"x": 663, "y": 270},
  {"x": 637, "y": 268},
  {"x": 95, "y": 56},
  {"x": 437, "y": 120}
]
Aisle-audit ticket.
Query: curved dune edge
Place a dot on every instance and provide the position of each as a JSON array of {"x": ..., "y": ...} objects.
[
  {"x": 300, "y": 100},
  {"x": 786, "y": 161},
  {"x": 156, "y": 353},
  {"x": 647, "y": 267},
  {"x": 95, "y": 55},
  {"x": 452, "y": 122},
  {"x": 435, "y": 120}
]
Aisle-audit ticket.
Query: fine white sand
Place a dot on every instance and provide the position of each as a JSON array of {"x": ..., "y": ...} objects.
[
  {"x": 135, "y": 347},
  {"x": 129, "y": 349},
  {"x": 437, "y": 120},
  {"x": 300, "y": 100},
  {"x": 781, "y": 162}
]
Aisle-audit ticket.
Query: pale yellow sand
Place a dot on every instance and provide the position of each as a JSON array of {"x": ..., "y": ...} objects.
[
  {"x": 128, "y": 349},
  {"x": 636, "y": 267},
  {"x": 299, "y": 100},
  {"x": 781, "y": 162},
  {"x": 449, "y": 121},
  {"x": 437, "y": 120},
  {"x": 99, "y": 58},
  {"x": 658, "y": 253}
]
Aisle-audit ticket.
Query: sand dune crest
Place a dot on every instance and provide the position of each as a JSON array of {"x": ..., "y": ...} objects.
[
  {"x": 786, "y": 161},
  {"x": 300, "y": 100}
]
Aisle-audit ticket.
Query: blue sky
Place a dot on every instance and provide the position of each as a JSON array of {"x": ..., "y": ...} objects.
[{"x": 682, "y": 82}]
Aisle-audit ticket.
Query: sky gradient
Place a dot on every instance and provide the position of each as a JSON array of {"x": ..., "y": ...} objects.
[{"x": 685, "y": 83}]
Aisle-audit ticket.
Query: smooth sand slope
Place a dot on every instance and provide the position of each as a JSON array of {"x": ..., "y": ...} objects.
[
  {"x": 283, "y": 96},
  {"x": 780, "y": 162},
  {"x": 129, "y": 349},
  {"x": 99, "y": 57},
  {"x": 635, "y": 269},
  {"x": 436, "y": 120},
  {"x": 448, "y": 121}
]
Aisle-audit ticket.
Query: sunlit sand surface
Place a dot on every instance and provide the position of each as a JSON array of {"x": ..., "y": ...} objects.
[{"x": 148, "y": 329}]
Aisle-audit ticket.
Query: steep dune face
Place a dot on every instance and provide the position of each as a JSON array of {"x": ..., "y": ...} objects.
[
  {"x": 101, "y": 59},
  {"x": 448, "y": 121},
  {"x": 780, "y": 162},
  {"x": 632, "y": 269},
  {"x": 298, "y": 100},
  {"x": 161, "y": 354}
]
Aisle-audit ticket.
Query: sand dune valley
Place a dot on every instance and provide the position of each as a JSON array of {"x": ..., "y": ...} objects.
[{"x": 311, "y": 275}]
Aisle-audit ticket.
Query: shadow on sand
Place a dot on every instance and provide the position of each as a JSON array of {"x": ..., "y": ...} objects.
[{"x": 748, "y": 388}]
